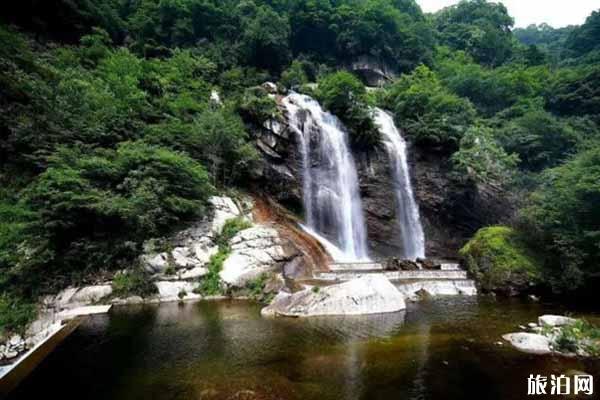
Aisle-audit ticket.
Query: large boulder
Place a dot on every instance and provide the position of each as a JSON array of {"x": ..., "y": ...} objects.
[
  {"x": 555, "y": 320},
  {"x": 372, "y": 294},
  {"x": 172, "y": 291},
  {"x": 501, "y": 261},
  {"x": 91, "y": 294},
  {"x": 224, "y": 208},
  {"x": 73, "y": 297},
  {"x": 529, "y": 342},
  {"x": 255, "y": 251}
]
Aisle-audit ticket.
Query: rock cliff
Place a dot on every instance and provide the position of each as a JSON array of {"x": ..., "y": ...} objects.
[{"x": 452, "y": 209}]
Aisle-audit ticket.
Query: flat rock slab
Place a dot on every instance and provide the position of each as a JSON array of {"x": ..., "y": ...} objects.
[
  {"x": 529, "y": 342},
  {"x": 176, "y": 290},
  {"x": 555, "y": 320},
  {"x": 438, "y": 288},
  {"x": 82, "y": 311},
  {"x": 367, "y": 295}
]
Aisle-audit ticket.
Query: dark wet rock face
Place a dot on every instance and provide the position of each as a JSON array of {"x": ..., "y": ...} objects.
[
  {"x": 452, "y": 209},
  {"x": 279, "y": 172},
  {"x": 371, "y": 71}
]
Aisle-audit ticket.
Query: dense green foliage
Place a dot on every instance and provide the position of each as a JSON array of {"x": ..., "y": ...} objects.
[
  {"x": 480, "y": 28},
  {"x": 500, "y": 259},
  {"x": 565, "y": 217},
  {"x": 14, "y": 314},
  {"x": 428, "y": 111},
  {"x": 109, "y": 136},
  {"x": 133, "y": 283},
  {"x": 345, "y": 96}
]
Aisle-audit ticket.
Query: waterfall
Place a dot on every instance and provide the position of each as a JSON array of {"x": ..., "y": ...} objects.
[
  {"x": 413, "y": 239},
  {"x": 330, "y": 184}
]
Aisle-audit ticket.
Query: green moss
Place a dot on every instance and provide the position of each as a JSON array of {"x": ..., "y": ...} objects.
[{"x": 500, "y": 260}]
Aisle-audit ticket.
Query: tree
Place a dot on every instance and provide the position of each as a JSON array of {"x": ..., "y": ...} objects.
[
  {"x": 480, "y": 28},
  {"x": 427, "y": 111},
  {"x": 586, "y": 38},
  {"x": 265, "y": 39},
  {"x": 565, "y": 218},
  {"x": 377, "y": 29},
  {"x": 576, "y": 92},
  {"x": 346, "y": 97},
  {"x": 96, "y": 208},
  {"x": 482, "y": 159},
  {"x": 540, "y": 139}
]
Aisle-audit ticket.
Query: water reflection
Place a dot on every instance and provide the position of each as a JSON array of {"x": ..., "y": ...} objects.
[{"x": 436, "y": 350}]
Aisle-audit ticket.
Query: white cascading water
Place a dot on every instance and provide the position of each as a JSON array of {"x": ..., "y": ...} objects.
[
  {"x": 413, "y": 238},
  {"x": 330, "y": 189}
]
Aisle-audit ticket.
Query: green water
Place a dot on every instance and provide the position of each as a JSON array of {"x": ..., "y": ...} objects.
[{"x": 442, "y": 349}]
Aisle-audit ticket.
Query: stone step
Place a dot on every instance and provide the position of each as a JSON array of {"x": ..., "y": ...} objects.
[
  {"x": 437, "y": 287},
  {"x": 393, "y": 275},
  {"x": 356, "y": 266},
  {"x": 449, "y": 267},
  {"x": 376, "y": 266}
]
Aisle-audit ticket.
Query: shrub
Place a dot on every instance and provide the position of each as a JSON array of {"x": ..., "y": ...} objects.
[
  {"x": 295, "y": 76},
  {"x": 257, "y": 285},
  {"x": 133, "y": 283},
  {"x": 257, "y": 106},
  {"x": 15, "y": 314},
  {"x": 579, "y": 336},
  {"x": 96, "y": 208},
  {"x": 211, "y": 282},
  {"x": 230, "y": 229},
  {"x": 217, "y": 138},
  {"x": 345, "y": 96},
  {"x": 564, "y": 218},
  {"x": 427, "y": 111},
  {"x": 500, "y": 260},
  {"x": 482, "y": 159}
]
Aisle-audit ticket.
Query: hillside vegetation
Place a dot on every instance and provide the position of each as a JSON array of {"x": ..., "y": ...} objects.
[{"x": 109, "y": 136}]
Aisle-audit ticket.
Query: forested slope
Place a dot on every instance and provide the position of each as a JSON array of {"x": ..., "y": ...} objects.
[{"x": 109, "y": 136}]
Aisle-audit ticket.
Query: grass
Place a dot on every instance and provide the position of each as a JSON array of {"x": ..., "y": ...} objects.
[
  {"x": 230, "y": 229},
  {"x": 211, "y": 282},
  {"x": 133, "y": 283},
  {"x": 579, "y": 335},
  {"x": 256, "y": 286}
]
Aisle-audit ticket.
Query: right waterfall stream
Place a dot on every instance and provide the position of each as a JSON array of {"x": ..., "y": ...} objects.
[{"x": 413, "y": 238}]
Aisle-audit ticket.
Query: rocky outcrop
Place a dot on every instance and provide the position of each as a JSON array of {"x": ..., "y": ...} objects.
[
  {"x": 255, "y": 251},
  {"x": 452, "y": 210},
  {"x": 371, "y": 71},
  {"x": 174, "y": 291},
  {"x": 73, "y": 297},
  {"x": 557, "y": 334},
  {"x": 192, "y": 248},
  {"x": 555, "y": 320},
  {"x": 432, "y": 288},
  {"x": 368, "y": 295}
]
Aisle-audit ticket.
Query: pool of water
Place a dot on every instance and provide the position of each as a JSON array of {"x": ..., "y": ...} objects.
[{"x": 439, "y": 349}]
